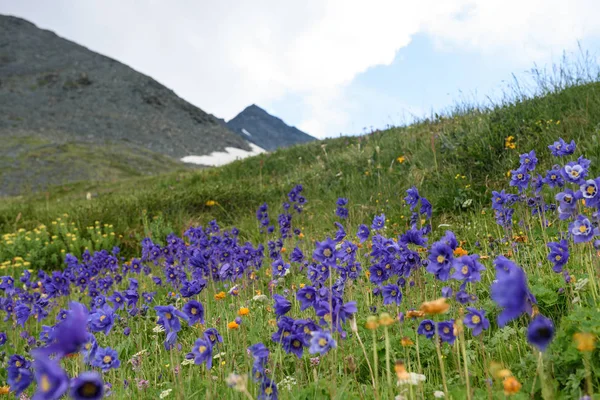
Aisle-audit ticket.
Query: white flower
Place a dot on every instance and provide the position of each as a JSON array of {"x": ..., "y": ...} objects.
[
  {"x": 413, "y": 379},
  {"x": 158, "y": 328},
  {"x": 187, "y": 361},
  {"x": 261, "y": 298},
  {"x": 438, "y": 394},
  {"x": 165, "y": 393},
  {"x": 219, "y": 355},
  {"x": 237, "y": 382}
]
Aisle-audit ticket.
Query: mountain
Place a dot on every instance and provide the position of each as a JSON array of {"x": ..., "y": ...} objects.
[
  {"x": 57, "y": 97},
  {"x": 264, "y": 130}
]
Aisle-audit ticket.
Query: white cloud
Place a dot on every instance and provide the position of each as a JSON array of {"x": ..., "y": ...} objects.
[{"x": 225, "y": 55}]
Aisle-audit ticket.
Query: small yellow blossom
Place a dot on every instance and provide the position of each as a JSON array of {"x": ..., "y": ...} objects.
[
  {"x": 585, "y": 341},
  {"x": 232, "y": 325}
]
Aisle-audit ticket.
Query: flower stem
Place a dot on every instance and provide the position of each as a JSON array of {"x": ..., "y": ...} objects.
[
  {"x": 387, "y": 357},
  {"x": 441, "y": 360},
  {"x": 465, "y": 363}
]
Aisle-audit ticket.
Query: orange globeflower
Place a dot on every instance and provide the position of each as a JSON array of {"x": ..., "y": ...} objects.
[
  {"x": 220, "y": 296},
  {"x": 511, "y": 385},
  {"x": 371, "y": 323},
  {"x": 585, "y": 341},
  {"x": 243, "y": 311},
  {"x": 406, "y": 341},
  {"x": 386, "y": 319},
  {"x": 5, "y": 390},
  {"x": 438, "y": 306},
  {"x": 414, "y": 314},
  {"x": 460, "y": 252},
  {"x": 232, "y": 325}
]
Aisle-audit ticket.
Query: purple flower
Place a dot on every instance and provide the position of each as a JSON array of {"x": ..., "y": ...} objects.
[
  {"x": 363, "y": 233},
  {"x": 340, "y": 234},
  {"x": 106, "y": 358},
  {"x": 520, "y": 178},
  {"x": 559, "y": 254},
  {"x": 446, "y": 331},
  {"x": 447, "y": 292},
  {"x": 463, "y": 297},
  {"x": 52, "y": 381},
  {"x": 282, "y": 305},
  {"x": 582, "y": 230},
  {"x": 102, "y": 320},
  {"x": 589, "y": 192},
  {"x": 567, "y": 203},
  {"x": 440, "y": 260},
  {"x": 528, "y": 160},
  {"x": 88, "y": 385},
  {"x": 279, "y": 267},
  {"x": 554, "y": 179},
  {"x": 468, "y": 268},
  {"x": 19, "y": 378},
  {"x": 378, "y": 222},
  {"x": 307, "y": 296},
  {"x": 294, "y": 344},
  {"x": 427, "y": 328},
  {"x": 321, "y": 342},
  {"x": 169, "y": 318},
  {"x": 540, "y": 332},
  {"x": 268, "y": 390},
  {"x": 576, "y": 171},
  {"x": 194, "y": 311},
  {"x": 476, "y": 320},
  {"x": 510, "y": 291},
  {"x": 392, "y": 294},
  {"x": 561, "y": 148},
  {"x": 325, "y": 252},
  {"x": 3, "y": 338},
  {"x": 412, "y": 197},
  {"x": 213, "y": 337},
  {"x": 202, "y": 352}
]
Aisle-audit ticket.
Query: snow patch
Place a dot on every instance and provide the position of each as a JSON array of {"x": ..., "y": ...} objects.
[
  {"x": 245, "y": 132},
  {"x": 218, "y": 158}
]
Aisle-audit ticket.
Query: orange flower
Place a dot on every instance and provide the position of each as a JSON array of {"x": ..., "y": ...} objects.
[
  {"x": 243, "y": 311},
  {"x": 414, "y": 314},
  {"x": 459, "y": 251},
  {"x": 368, "y": 274},
  {"x": 371, "y": 323},
  {"x": 272, "y": 322},
  {"x": 511, "y": 385},
  {"x": 406, "y": 341},
  {"x": 220, "y": 296},
  {"x": 5, "y": 389},
  {"x": 585, "y": 341},
  {"x": 400, "y": 370},
  {"x": 301, "y": 235},
  {"x": 438, "y": 306},
  {"x": 401, "y": 159},
  {"x": 302, "y": 285},
  {"x": 283, "y": 249},
  {"x": 232, "y": 325},
  {"x": 385, "y": 319}
]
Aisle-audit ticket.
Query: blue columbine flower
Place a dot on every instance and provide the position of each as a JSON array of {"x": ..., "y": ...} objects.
[
  {"x": 3, "y": 338},
  {"x": 321, "y": 343},
  {"x": 268, "y": 390},
  {"x": 202, "y": 352},
  {"x": 282, "y": 305},
  {"x": 554, "y": 178},
  {"x": 576, "y": 171},
  {"x": 582, "y": 230},
  {"x": 412, "y": 198},
  {"x": 87, "y": 386},
  {"x": 468, "y": 268},
  {"x": 392, "y": 294},
  {"x": 427, "y": 328},
  {"x": 106, "y": 359},
  {"x": 325, "y": 252},
  {"x": 363, "y": 233},
  {"x": 540, "y": 332},
  {"x": 561, "y": 148},
  {"x": 476, "y": 320},
  {"x": 213, "y": 337},
  {"x": 169, "y": 318},
  {"x": 446, "y": 331},
  {"x": 528, "y": 160},
  {"x": 294, "y": 344},
  {"x": 440, "y": 260},
  {"x": 279, "y": 268},
  {"x": 52, "y": 380},
  {"x": 307, "y": 296},
  {"x": 520, "y": 178},
  {"x": 567, "y": 203},
  {"x": 559, "y": 254},
  {"x": 18, "y": 378},
  {"x": 102, "y": 320},
  {"x": 510, "y": 291},
  {"x": 589, "y": 192},
  {"x": 378, "y": 222},
  {"x": 194, "y": 310}
]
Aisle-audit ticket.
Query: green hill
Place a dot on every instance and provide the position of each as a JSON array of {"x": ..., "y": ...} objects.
[{"x": 468, "y": 148}]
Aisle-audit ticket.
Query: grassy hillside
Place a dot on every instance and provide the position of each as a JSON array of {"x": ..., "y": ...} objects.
[
  {"x": 33, "y": 163},
  {"x": 454, "y": 160}
]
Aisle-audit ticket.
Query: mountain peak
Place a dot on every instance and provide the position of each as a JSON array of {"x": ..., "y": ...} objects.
[{"x": 265, "y": 130}]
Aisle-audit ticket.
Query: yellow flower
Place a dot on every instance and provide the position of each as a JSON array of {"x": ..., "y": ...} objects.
[
  {"x": 5, "y": 389},
  {"x": 211, "y": 203},
  {"x": 438, "y": 306},
  {"x": 401, "y": 159},
  {"x": 585, "y": 341},
  {"x": 509, "y": 143},
  {"x": 220, "y": 296},
  {"x": 232, "y": 325},
  {"x": 243, "y": 311},
  {"x": 511, "y": 385}
]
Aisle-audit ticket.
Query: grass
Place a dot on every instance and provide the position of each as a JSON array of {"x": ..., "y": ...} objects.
[{"x": 455, "y": 161}]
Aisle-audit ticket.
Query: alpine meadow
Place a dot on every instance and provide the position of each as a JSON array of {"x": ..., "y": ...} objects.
[{"x": 456, "y": 257}]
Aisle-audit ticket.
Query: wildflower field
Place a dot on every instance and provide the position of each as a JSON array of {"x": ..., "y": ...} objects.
[{"x": 455, "y": 258}]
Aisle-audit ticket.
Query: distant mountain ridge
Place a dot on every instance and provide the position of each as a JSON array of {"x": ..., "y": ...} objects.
[{"x": 265, "y": 130}]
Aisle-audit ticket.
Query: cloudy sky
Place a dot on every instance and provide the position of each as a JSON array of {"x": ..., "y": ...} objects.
[{"x": 325, "y": 66}]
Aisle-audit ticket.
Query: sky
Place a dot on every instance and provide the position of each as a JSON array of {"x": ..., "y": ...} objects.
[{"x": 328, "y": 67}]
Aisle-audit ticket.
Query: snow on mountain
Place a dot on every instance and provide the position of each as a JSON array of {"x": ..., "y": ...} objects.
[{"x": 218, "y": 158}]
